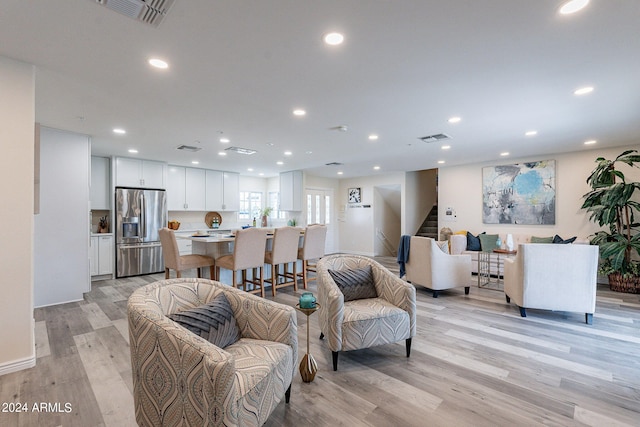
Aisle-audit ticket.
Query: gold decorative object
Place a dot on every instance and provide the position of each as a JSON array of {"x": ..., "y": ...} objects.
[
  {"x": 308, "y": 365},
  {"x": 213, "y": 217}
]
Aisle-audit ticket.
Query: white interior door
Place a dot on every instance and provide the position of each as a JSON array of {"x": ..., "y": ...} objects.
[{"x": 319, "y": 210}]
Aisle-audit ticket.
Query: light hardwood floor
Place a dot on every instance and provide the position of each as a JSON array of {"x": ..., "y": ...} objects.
[{"x": 474, "y": 362}]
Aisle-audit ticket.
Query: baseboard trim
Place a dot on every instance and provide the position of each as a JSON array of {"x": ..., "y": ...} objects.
[{"x": 17, "y": 365}]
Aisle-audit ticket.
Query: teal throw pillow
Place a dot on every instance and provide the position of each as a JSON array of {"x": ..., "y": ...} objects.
[
  {"x": 488, "y": 242},
  {"x": 212, "y": 321},
  {"x": 535, "y": 239}
]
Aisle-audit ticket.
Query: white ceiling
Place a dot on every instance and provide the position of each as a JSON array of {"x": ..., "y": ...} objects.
[{"x": 239, "y": 67}]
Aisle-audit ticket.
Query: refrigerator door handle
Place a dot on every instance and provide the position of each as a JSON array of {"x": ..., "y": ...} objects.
[{"x": 143, "y": 218}]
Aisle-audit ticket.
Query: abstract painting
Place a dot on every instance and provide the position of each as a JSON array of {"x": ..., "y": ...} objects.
[{"x": 522, "y": 193}]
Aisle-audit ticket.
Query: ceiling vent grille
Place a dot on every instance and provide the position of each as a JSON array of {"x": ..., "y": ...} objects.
[
  {"x": 333, "y": 164},
  {"x": 434, "y": 138},
  {"x": 150, "y": 12},
  {"x": 190, "y": 148},
  {"x": 240, "y": 150}
]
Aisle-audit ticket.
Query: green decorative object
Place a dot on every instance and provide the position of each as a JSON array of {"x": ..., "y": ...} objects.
[
  {"x": 307, "y": 300},
  {"x": 612, "y": 203}
]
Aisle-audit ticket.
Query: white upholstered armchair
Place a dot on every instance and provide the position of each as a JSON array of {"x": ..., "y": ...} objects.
[
  {"x": 180, "y": 378},
  {"x": 386, "y": 317},
  {"x": 553, "y": 277},
  {"x": 430, "y": 267}
]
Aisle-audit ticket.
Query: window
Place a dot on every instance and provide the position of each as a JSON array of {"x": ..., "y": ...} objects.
[
  {"x": 274, "y": 202},
  {"x": 250, "y": 205}
]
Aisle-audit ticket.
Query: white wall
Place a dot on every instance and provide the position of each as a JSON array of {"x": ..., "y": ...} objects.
[
  {"x": 17, "y": 119},
  {"x": 460, "y": 188},
  {"x": 357, "y": 230}
]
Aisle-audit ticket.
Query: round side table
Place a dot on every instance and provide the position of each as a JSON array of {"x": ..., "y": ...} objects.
[{"x": 308, "y": 365}]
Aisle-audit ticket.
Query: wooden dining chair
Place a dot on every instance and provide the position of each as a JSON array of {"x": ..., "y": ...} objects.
[
  {"x": 315, "y": 236},
  {"x": 248, "y": 254},
  {"x": 284, "y": 250},
  {"x": 174, "y": 261}
]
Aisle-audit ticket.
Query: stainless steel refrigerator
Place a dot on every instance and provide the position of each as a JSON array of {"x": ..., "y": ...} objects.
[{"x": 139, "y": 215}]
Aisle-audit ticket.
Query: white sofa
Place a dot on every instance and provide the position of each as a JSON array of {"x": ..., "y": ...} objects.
[
  {"x": 553, "y": 277},
  {"x": 430, "y": 267},
  {"x": 458, "y": 246}
]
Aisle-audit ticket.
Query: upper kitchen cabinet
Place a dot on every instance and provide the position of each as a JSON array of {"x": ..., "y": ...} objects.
[
  {"x": 291, "y": 191},
  {"x": 100, "y": 183},
  {"x": 222, "y": 191},
  {"x": 140, "y": 173},
  {"x": 186, "y": 189}
]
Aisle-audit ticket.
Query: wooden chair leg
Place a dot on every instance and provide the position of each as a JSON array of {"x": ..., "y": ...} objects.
[
  {"x": 212, "y": 271},
  {"x": 217, "y": 276},
  {"x": 274, "y": 279},
  {"x": 199, "y": 273},
  {"x": 261, "y": 271},
  {"x": 233, "y": 279},
  {"x": 178, "y": 274},
  {"x": 304, "y": 274},
  {"x": 166, "y": 273},
  {"x": 295, "y": 276}
]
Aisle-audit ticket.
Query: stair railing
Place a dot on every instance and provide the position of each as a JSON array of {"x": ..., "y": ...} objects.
[{"x": 386, "y": 243}]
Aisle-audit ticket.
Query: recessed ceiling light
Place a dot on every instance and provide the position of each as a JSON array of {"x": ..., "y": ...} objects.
[
  {"x": 454, "y": 120},
  {"x": 261, "y": 174},
  {"x": 225, "y": 140},
  {"x": 280, "y": 163},
  {"x": 590, "y": 142},
  {"x": 531, "y": 133},
  {"x": 133, "y": 150},
  {"x": 373, "y": 137},
  {"x": 222, "y": 153},
  {"x": 288, "y": 153},
  {"x": 504, "y": 153},
  {"x": 340, "y": 173},
  {"x": 440, "y": 162},
  {"x": 573, "y": 6},
  {"x": 195, "y": 162},
  {"x": 158, "y": 63},
  {"x": 333, "y": 38},
  {"x": 119, "y": 131},
  {"x": 445, "y": 147},
  {"x": 376, "y": 167},
  {"x": 583, "y": 90},
  {"x": 308, "y": 152},
  {"x": 299, "y": 112},
  {"x": 250, "y": 169}
]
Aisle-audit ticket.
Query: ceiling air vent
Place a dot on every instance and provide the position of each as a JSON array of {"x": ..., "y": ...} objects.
[
  {"x": 333, "y": 164},
  {"x": 150, "y": 12},
  {"x": 190, "y": 148},
  {"x": 434, "y": 138},
  {"x": 240, "y": 150}
]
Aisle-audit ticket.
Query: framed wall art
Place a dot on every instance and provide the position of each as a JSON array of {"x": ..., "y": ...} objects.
[
  {"x": 355, "y": 195},
  {"x": 522, "y": 193}
]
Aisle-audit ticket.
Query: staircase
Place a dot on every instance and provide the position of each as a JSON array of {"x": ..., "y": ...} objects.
[{"x": 429, "y": 227}]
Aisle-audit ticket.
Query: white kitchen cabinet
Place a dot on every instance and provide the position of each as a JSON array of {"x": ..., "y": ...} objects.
[
  {"x": 100, "y": 183},
  {"x": 184, "y": 246},
  {"x": 101, "y": 255},
  {"x": 223, "y": 191},
  {"x": 213, "y": 187},
  {"x": 140, "y": 173},
  {"x": 186, "y": 189},
  {"x": 291, "y": 191}
]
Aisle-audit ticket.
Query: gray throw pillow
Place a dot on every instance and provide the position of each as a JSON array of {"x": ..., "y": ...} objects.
[
  {"x": 212, "y": 321},
  {"x": 355, "y": 284}
]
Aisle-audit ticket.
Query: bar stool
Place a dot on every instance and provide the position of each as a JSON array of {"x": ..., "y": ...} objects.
[
  {"x": 283, "y": 251},
  {"x": 173, "y": 260},
  {"x": 248, "y": 253},
  {"x": 315, "y": 236}
]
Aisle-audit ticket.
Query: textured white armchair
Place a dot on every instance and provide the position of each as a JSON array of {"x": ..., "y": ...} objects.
[
  {"x": 430, "y": 267},
  {"x": 362, "y": 323},
  {"x": 553, "y": 277}
]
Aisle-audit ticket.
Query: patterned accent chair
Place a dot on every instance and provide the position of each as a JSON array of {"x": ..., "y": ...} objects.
[
  {"x": 182, "y": 379},
  {"x": 364, "y": 323}
]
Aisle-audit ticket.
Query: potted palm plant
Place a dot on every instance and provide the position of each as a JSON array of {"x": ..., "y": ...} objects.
[{"x": 613, "y": 202}]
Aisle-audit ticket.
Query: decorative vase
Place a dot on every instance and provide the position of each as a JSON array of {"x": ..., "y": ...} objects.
[
  {"x": 499, "y": 243},
  {"x": 509, "y": 242},
  {"x": 307, "y": 300},
  {"x": 618, "y": 283},
  {"x": 264, "y": 221}
]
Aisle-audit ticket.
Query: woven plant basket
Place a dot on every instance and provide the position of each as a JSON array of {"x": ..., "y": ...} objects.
[{"x": 630, "y": 285}]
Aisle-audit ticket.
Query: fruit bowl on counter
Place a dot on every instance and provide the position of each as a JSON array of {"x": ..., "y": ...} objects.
[{"x": 173, "y": 225}]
